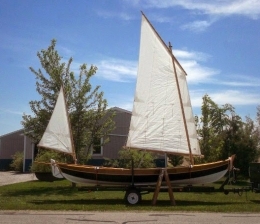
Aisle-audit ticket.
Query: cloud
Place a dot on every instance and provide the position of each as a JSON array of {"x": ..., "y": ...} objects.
[
  {"x": 221, "y": 97},
  {"x": 124, "y": 105},
  {"x": 111, "y": 14},
  {"x": 213, "y": 10},
  {"x": 197, "y": 26},
  {"x": 117, "y": 70},
  {"x": 191, "y": 62},
  {"x": 7, "y": 111},
  {"x": 235, "y": 97},
  {"x": 248, "y": 8},
  {"x": 66, "y": 52},
  {"x": 198, "y": 73}
]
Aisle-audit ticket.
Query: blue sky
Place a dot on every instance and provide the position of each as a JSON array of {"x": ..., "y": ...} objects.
[{"x": 217, "y": 42}]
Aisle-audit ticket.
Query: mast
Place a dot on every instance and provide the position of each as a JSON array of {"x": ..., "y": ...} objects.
[
  {"x": 182, "y": 108},
  {"x": 169, "y": 49}
]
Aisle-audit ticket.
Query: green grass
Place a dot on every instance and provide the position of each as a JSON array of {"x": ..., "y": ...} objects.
[{"x": 59, "y": 195}]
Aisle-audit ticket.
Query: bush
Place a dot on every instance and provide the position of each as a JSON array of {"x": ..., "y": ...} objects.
[
  {"x": 141, "y": 159},
  {"x": 43, "y": 158},
  {"x": 17, "y": 162}
]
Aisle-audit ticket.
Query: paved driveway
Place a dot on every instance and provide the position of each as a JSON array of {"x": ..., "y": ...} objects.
[
  {"x": 11, "y": 177},
  {"x": 80, "y": 217}
]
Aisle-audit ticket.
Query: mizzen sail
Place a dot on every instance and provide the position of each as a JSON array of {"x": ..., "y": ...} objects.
[
  {"x": 57, "y": 135},
  {"x": 157, "y": 122}
]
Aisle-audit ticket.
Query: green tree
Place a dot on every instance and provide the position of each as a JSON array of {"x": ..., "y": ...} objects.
[
  {"x": 213, "y": 122},
  {"x": 242, "y": 139},
  {"x": 88, "y": 113},
  {"x": 223, "y": 133}
]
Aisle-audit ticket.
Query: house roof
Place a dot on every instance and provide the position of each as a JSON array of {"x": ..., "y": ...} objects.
[
  {"x": 117, "y": 109},
  {"x": 10, "y": 133},
  {"x": 121, "y": 110}
]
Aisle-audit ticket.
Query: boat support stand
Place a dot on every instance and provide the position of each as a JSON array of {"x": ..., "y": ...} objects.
[{"x": 164, "y": 174}]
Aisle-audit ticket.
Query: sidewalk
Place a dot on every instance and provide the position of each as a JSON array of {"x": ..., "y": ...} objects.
[{"x": 11, "y": 177}]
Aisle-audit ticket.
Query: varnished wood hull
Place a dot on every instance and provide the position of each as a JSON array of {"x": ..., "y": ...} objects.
[{"x": 198, "y": 174}]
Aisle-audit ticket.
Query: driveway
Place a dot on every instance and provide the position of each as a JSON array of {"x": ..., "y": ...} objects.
[
  {"x": 11, "y": 177},
  {"x": 96, "y": 217}
]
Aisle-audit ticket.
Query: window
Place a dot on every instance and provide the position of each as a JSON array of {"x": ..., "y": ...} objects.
[{"x": 97, "y": 146}]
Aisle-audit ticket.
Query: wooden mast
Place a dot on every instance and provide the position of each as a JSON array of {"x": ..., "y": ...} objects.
[
  {"x": 182, "y": 107},
  {"x": 169, "y": 49}
]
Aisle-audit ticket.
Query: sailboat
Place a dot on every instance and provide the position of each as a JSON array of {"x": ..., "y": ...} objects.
[{"x": 162, "y": 121}]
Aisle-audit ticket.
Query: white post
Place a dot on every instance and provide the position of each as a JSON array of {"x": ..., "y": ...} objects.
[
  {"x": 24, "y": 151},
  {"x": 32, "y": 152}
]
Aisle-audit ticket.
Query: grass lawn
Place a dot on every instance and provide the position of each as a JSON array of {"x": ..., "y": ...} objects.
[{"x": 59, "y": 195}]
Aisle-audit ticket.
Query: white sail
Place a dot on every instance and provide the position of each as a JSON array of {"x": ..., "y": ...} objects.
[
  {"x": 57, "y": 134},
  {"x": 157, "y": 121}
]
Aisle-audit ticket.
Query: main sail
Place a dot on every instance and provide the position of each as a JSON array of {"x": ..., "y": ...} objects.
[
  {"x": 57, "y": 135},
  {"x": 160, "y": 122}
]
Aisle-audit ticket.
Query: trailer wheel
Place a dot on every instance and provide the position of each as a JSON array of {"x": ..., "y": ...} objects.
[
  {"x": 133, "y": 196},
  {"x": 226, "y": 192}
]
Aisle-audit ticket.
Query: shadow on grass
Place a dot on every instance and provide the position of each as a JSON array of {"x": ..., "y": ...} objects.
[
  {"x": 66, "y": 191},
  {"x": 255, "y": 201},
  {"x": 109, "y": 202}
]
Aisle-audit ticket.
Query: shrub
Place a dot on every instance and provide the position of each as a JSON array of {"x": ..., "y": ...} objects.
[
  {"x": 43, "y": 158},
  {"x": 141, "y": 159},
  {"x": 17, "y": 162}
]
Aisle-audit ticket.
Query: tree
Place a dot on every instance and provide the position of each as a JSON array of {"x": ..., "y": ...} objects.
[
  {"x": 223, "y": 133},
  {"x": 258, "y": 115},
  {"x": 88, "y": 113},
  {"x": 213, "y": 122},
  {"x": 241, "y": 139}
]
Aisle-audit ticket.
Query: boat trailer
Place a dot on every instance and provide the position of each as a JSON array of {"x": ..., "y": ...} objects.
[{"x": 133, "y": 193}]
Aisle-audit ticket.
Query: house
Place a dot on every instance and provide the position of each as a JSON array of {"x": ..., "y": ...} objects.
[{"x": 16, "y": 141}]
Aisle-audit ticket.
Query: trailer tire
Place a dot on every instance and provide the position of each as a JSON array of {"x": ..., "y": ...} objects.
[
  {"x": 226, "y": 192},
  {"x": 133, "y": 197}
]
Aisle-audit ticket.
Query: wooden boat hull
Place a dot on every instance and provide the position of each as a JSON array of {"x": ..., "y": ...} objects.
[{"x": 198, "y": 174}]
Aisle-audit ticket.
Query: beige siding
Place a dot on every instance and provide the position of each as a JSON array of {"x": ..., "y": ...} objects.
[
  {"x": 10, "y": 144},
  {"x": 14, "y": 142},
  {"x": 117, "y": 138}
]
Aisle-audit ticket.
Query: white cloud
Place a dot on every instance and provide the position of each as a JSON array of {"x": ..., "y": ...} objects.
[
  {"x": 66, "y": 52},
  {"x": 7, "y": 111},
  {"x": 160, "y": 18},
  {"x": 117, "y": 70},
  {"x": 241, "y": 83},
  {"x": 183, "y": 54},
  {"x": 197, "y": 26},
  {"x": 190, "y": 61},
  {"x": 221, "y": 97},
  {"x": 214, "y": 10},
  {"x": 235, "y": 97},
  {"x": 249, "y": 8},
  {"x": 111, "y": 14},
  {"x": 124, "y": 105}
]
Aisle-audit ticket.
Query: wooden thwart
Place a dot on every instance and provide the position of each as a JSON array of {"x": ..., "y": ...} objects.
[{"x": 164, "y": 174}]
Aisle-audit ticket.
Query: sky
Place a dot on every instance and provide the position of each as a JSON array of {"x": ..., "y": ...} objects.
[{"x": 217, "y": 43}]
